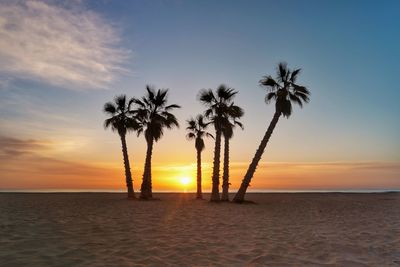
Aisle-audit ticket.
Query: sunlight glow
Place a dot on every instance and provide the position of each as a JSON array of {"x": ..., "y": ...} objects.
[{"x": 185, "y": 180}]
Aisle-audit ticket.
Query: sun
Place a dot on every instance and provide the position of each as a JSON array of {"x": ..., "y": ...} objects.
[{"x": 185, "y": 180}]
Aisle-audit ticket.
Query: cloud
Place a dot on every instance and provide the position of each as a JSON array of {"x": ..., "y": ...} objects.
[
  {"x": 59, "y": 45},
  {"x": 13, "y": 147}
]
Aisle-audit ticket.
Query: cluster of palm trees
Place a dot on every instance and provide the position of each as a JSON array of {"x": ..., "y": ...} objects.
[
  {"x": 224, "y": 115},
  {"x": 150, "y": 115}
]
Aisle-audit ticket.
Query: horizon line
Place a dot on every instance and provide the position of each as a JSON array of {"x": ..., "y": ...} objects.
[{"x": 206, "y": 192}]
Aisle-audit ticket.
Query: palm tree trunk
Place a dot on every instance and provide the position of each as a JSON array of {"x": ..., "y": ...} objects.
[
  {"x": 146, "y": 188},
  {"x": 225, "y": 175},
  {"x": 216, "y": 163},
  {"x": 128, "y": 175},
  {"x": 199, "y": 193},
  {"x": 239, "y": 197}
]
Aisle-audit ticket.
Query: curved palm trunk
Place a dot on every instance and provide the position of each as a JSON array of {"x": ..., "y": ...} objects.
[
  {"x": 128, "y": 175},
  {"x": 199, "y": 192},
  {"x": 216, "y": 163},
  {"x": 146, "y": 188},
  {"x": 225, "y": 175},
  {"x": 239, "y": 197}
]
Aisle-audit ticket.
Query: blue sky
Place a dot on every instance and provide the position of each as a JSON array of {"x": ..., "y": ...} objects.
[{"x": 348, "y": 51}]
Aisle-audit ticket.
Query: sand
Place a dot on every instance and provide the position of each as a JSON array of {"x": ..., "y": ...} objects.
[{"x": 98, "y": 229}]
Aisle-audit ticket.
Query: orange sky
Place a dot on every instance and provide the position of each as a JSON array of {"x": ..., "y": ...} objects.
[{"x": 32, "y": 164}]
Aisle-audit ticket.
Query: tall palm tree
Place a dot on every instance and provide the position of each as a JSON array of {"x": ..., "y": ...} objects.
[
  {"x": 227, "y": 132},
  {"x": 284, "y": 91},
  {"x": 153, "y": 115},
  {"x": 197, "y": 130},
  {"x": 121, "y": 122},
  {"x": 217, "y": 110}
]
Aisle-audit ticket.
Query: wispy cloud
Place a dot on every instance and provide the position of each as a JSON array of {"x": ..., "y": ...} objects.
[
  {"x": 13, "y": 147},
  {"x": 64, "y": 46}
]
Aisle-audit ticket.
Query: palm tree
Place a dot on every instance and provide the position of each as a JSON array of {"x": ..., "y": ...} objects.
[
  {"x": 284, "y": 91},
  {"x": 153, "y": 116},
  {"x": 227, "y": 131},
  {"x": 122, "y": 123},
  {"x": 217, "y": 110},
  {"x": 197, "y": 130}
]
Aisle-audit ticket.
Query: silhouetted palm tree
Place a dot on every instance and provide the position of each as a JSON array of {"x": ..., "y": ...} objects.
[
  {"x": 153, "y": 115},
  {"x": 227, "y": 131},
  {"x": 283, "y": 90},
  {"x": 121, "y": 122},
  {"x": 217, "y": 111},
  {"x": 197, "y": 131}
]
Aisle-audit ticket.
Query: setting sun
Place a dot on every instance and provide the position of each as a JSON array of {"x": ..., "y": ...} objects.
[{"x": 185, "y": 180}]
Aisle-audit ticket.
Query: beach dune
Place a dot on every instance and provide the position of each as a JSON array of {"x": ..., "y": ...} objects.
[{"x": 105, "y": 229}]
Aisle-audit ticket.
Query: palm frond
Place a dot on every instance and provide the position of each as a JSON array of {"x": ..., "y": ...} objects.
[
  {"x": 150, "y": 92},
  {"x": 160, "y": 98},
  {"x": 208, "y": 113},
  {"x": 206, "y": 96},
  {"x": 190, "y": 136},
  {"x": 137, "y": 102},
  {"x": 302, "y": 89},
  {"x": 210, "y": 135},
  {"x": 235, "y": 111},
  {"x": 139, "y": 131},
  {"x": 200, "y": 121},
  {"x": 225, "y": 93},
  {"x": 172, "y": 106},
  {"x": 282, "y": 70},
  {"x": 287, "y": 75},
  {"x": 146, "y": 101},
  {"x": 270, "y": 96},
  {"x": 191, "y": 124},
  {"x": 293, "y": 77},
  {"x": 109, "y": 108},
  {"x": 120, "y": 100},
  {"x": 108, "y": 123},
  {"x": 268, "y": 81},
  {"x": 238, "y": 123},
  {"x": 131, "y": 124},
  {"x": 171, "y": 121},
  {"x": 303, "y": 96},
  {"x": 296, "y": 99}
]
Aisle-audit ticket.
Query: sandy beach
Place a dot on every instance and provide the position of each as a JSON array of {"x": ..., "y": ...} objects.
[{"x": 100, "y": 229}]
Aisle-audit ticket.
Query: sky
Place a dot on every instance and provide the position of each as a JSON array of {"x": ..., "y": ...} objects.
[{"x": 61, "y": 61}]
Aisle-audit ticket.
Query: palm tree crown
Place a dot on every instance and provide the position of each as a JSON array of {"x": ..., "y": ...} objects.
[
  {"x": 120, "y": 119},
  {"x": 219, "y": 105},
  {"x": 231, "y": 120},
  {"x": 153, "y": 114},
  {"x": 284, "y": 89},
  {"x": 197, "y": 130}
]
